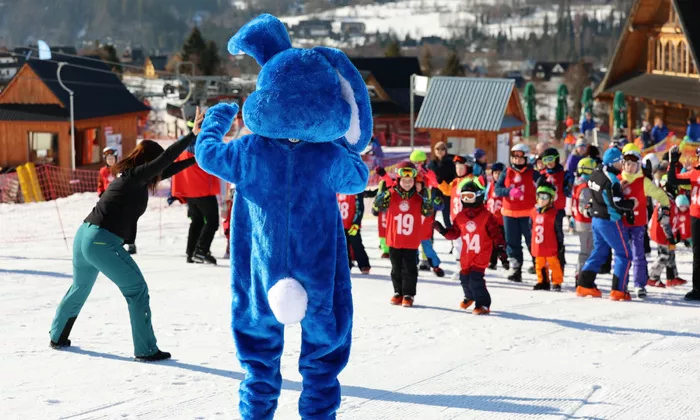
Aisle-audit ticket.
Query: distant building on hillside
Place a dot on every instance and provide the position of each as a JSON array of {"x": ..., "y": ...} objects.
[
  {"x": 314, "y": 28},
  {"x": 352, "y": 28},
  {"x": 9, "y": 65},
  {"x": 155, "y": 66}
]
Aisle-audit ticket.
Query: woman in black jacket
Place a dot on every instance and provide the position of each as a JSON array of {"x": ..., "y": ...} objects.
[
  {"x": 444, "y": 167},
  {"x": 98, "y": 245}
]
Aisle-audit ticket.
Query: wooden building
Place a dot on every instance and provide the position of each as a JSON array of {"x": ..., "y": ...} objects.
[
  {"x": 469, "y": 113},
  {"x": 656, "y": 64},
  {"x": 35, "y": 113},
  {"x": 155, "y": 65},
  {"x": 388, "y": 80}
]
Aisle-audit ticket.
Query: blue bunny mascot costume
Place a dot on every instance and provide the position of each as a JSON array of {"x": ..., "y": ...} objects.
[{"x": 310, "y": 117}]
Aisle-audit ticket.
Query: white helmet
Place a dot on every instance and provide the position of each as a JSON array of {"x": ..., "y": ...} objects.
[
  {"x": 109, "y": 151},
  {"x": 521, "y": 147},
  {"x": 651, "y": 159}
]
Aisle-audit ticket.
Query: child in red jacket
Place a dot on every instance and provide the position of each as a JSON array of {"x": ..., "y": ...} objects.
[
  {"x": 479, "y": 232},
  {"x": 545, "y": 247},
  {"x": 106, "y": 177},
  {"x": 352, "y": 208},
  {"x": 405, "y": 204}
]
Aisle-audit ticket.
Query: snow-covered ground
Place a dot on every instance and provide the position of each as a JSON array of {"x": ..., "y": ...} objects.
[
  {"x": 540, "y": 355},
  {"x": 443, "y": 18}
]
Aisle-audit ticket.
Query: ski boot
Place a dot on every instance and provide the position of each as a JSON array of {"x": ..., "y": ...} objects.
[
  {"x": 656, "y": 283},
  {"x": 155, "y": 357},
  {"x": 466, "y": 303},
  {"x": 492, "y": 266},
  {"x": 693, "y": 295},
  {"x": 641, "y": 292},
  {"x": 189, "y": 259},
  {"x": 439, "y": 271},
  {"x": 385, "y": 256},
  {"x": 365, "y": 270},
  {"x": 397, "y": 299},
  {"x": 424, "y": 266},
  {"x": 204, "y": 257},
  {"x": 481, "y": 310},
  {"x": 131, "y": 249},
  {"x": 556, "y": 287},
  {"x": 542, "y": 286},
  {"x": 407, "y": 301},
  {"x": 62, "y": 343},
  {"x": 515, "y": 275},
  {"x": 675, "y": 282},
  {"x": 620, "y": 295}
]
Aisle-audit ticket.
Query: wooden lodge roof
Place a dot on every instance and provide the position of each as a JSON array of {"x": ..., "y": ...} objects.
[
  {"x": 97, "y": 91},
  {"x": 628, "y": 66}
]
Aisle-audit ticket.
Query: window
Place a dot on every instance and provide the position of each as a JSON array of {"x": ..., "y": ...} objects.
[{"x": 43, "y": 148}]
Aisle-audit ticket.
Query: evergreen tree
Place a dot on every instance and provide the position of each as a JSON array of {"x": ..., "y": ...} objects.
[
  {"x": 453, "y": 66},
  {"x": 427, "y": 62},
  {"x": 394, "y": 49},
  {"x": 209, "y": 60},
  {"x": 109, "y": 53},
  {"x": 194, "y": 45}
]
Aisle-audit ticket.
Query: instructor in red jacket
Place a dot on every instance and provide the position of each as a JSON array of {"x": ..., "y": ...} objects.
[{"x": 199, "y": 190}]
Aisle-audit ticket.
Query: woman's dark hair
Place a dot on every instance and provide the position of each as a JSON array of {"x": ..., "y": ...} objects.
[{"x": 145, "y": 152}]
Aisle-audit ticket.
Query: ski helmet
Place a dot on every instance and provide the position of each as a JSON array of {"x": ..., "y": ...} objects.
[
  {"x": 498, "y": 167},
  {"x": 109, "y": 150},
  {"x": 519, "y": 148},
  {"x": 406, "y": 169},
  {"x": 585, "y": 166},
  {"x": 632, "y": 151},
  {"x": 612, "y": 156},
  {"x": 472, "y": 193},
  {"x": 418, "y": 156},
  {"x": 550, "y": 155},
  {"x": 546, "y": 189},
  {"x": 459, "y": 159},
  {"x": 682, "y": 201}
]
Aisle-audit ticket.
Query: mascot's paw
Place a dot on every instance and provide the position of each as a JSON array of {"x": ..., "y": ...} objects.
[
  {"x": 223, "y": 112},
  {"x": 288, "y": 301}
]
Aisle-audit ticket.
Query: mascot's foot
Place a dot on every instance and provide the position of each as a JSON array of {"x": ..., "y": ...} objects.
[
  {"x": 407, "y": 301},
  {"x": 288, "y": 301},
  {"x": 397, "y": 299}
]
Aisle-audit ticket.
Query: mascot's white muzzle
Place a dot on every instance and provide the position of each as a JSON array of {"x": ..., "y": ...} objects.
[{"x": 288, "y": 301}]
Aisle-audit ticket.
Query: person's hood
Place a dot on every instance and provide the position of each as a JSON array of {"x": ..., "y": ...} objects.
[{"x": 630, "y": 178}]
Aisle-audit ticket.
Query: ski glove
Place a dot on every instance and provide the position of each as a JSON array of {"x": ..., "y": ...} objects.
[
  {"x": 515, "y": 194},
  {"x": 353, "y": 230},
  {"x": 380, "y": 171},
  {"x": 439, "y": 228},
  {"x": 675, "y": 154}
]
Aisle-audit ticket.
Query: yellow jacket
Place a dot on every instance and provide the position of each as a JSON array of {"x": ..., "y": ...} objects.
[{"x": 650, "y": 189}]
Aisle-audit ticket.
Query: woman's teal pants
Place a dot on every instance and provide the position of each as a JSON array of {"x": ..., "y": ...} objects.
[{"x": 97, "y": 250}]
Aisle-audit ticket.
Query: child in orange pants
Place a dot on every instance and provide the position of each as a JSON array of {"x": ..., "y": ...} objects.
[{"x": 544, "y": 240}]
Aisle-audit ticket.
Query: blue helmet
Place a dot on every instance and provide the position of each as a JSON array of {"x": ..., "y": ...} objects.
[
  {"x": 498, "y": 167},
  {"x": 612, "y": 155}
]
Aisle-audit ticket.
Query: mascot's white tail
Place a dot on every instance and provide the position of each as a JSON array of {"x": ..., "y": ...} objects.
[{"x": 288, "y": 301}]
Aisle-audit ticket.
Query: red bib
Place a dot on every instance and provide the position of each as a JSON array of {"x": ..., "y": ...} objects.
[
  {"x": 635, "y": 192},
  {"x": 656, "y": 231},
  {"x": 347, "y": 206},
  {"x": 381, "y": 224},
  {"x": 476, "y": 242},
  {"x": 683, "y": 224},
  {"x": 523, "y": 181},
  {"x": 494, "y": 205},
  {"x": 556, "y": 179},
  {"x": 455, "y": 198},
  {"x": 695, "y": 193},
  {"x": 404, "y": 225},
  {"x": 544, "y": 239},
  {"x": 575, "y": 200}
]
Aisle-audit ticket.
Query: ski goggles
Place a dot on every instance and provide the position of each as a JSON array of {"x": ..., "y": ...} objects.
[
  {"x": 518, "y": 155},
  {"x": 544, "y": 196},
  {"x": 406, "y": 172},
  {"x": 468, "y": 196},
  {"x": 549, "y": 159}
]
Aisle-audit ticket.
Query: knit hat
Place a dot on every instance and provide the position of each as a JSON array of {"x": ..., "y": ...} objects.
[{"x": 479, "y": 153}]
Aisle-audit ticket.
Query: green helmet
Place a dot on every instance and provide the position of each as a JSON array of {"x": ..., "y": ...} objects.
[
  {"x": 418, "y": 156},
  {"x": 585, "y": 166},
  {"x": 546, "y": 189}
]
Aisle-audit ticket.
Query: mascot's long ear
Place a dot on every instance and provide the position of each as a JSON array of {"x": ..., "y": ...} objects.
[
  {"x": 261, "y": 38},
  {"x": 355, "y": 93}
]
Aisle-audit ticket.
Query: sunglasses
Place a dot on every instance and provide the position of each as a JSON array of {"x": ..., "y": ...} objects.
[
  {"x": 468, "y": 196},
  {"x": 543, "y": 196},
  {"x": 549, "y": 159},
  {"x": 406, "y": 172}
]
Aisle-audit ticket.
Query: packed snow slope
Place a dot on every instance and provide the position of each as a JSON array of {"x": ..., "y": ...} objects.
[{"x": 539, "y": 355}]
